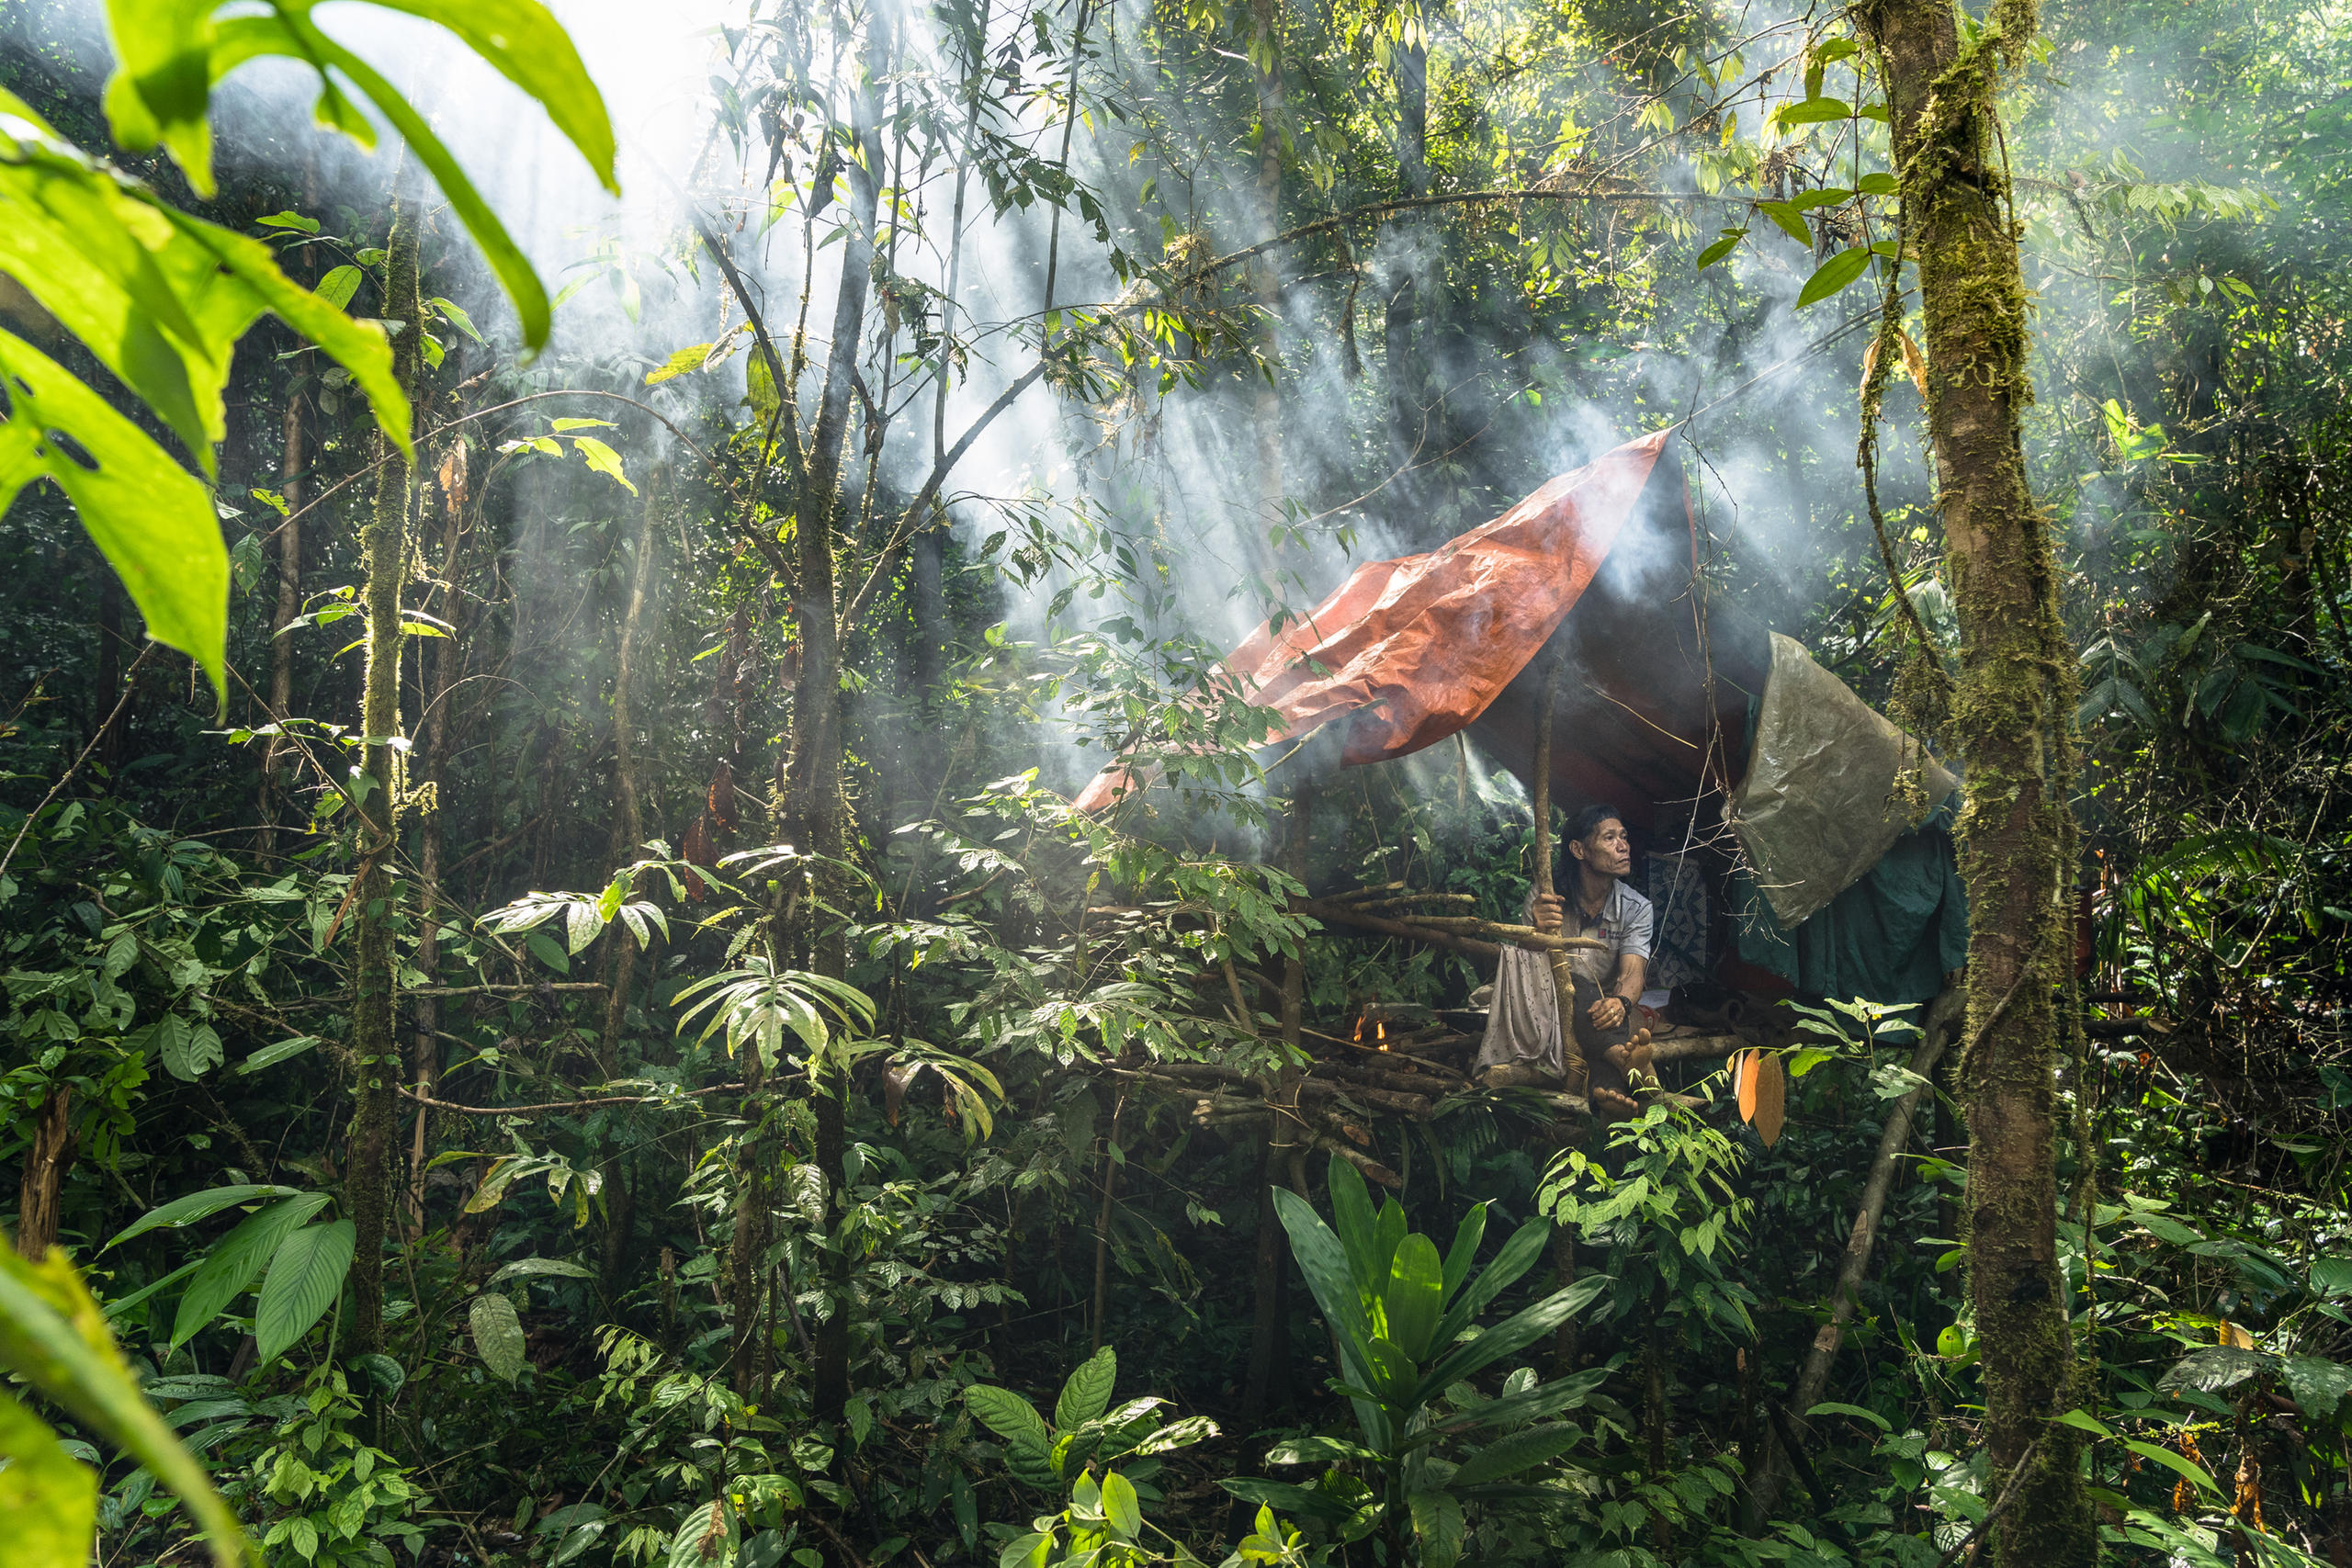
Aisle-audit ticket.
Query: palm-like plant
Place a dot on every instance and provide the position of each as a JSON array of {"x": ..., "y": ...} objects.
[{"x": 1398, "y": 1312}]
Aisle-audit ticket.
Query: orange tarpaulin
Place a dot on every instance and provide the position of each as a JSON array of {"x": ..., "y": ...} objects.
[{"x": 1417, "y": 647}]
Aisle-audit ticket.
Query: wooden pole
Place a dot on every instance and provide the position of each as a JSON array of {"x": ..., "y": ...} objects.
[{"x": 1563, "y": 983}]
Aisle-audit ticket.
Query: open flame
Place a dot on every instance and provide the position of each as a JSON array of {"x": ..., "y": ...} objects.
[{"x": 1379, "y": 1032}]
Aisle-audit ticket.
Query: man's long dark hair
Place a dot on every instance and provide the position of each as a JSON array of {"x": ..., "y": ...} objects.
[{"x": 1587, "y": 822}]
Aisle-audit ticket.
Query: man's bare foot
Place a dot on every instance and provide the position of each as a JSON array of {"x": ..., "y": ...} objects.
[
  {"x": 1634, "y": 1059},
  {"x": 1612, "y": 1106}
]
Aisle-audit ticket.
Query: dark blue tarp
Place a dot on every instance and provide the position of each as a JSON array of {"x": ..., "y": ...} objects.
[{"x": 1891, "y": 937}]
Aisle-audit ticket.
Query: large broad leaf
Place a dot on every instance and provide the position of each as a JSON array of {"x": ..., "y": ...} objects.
[
  {"x": 1511, "y": 1336},
  {"x": 1437, "y": 1525},
  {"x": 1317, "y": 1450},
  {"x": 1533, "y": 1405},
  {"x": 237, "y": 1262},
  {"x": 707, "y": 1539},
  {"x": 53, "y": 1333},
  {"x": 1329, "y": 1272},
  {"x": 2317, "y": 1384},
  {"x": 1351, "y": 1221},
  {"x": 150, "y": 518},
  {"x": 498, "y": 1336},
  {"x": 1088, "y": 1393},
  {"x": 49, "y": 1497},
  {"x": 198, "y": 1206},
  {"x": 1520, "y": 1451},
  {"x": 305, "y": 1276},
  {"x": 172, "y": 51},
  {"x": 542, "y": 1267},
  {"x": 1414, "y": 1295},
  {"x": 1518, "y": 1256},
  {"x": 2217, "y": 1368},
  {"x": 1464, "y": 1254},
  {"x": 1010, "y": 1416},
  {"x": 166, "y": 53},
  {"x": 1304, "y": 1501},
  {"x": 1834, "y": 275},
  {"x": 1387, "y": 1234}
]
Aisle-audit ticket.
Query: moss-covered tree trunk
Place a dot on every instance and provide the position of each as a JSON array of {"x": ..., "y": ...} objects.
[
  {"x": 816, "y": 801},
  {"x": 2010, "y": 716},
  {"x": 368, "y": 1191}
]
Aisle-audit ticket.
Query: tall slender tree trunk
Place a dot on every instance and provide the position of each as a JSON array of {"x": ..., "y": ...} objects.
[
  {"x": 114, "y": 636},
  {"x": 1266, "y": 62},
  {"x": 1286, "y": 1143},
  {"x": 628, "y": 829},
  {"x": 2010, "y": 712},
  {"x": 443, "y": 658},
  {"x": 290, "y": 605},
  {"x": 814, "y": 783},
  {"x": 376, "y": 811},
  {"x": 47, "y": 1159},
  {"x": 1404, "y": 366}
]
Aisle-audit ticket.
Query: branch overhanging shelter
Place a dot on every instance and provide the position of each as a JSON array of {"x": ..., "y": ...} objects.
[{"x": 1790, "y": 835}]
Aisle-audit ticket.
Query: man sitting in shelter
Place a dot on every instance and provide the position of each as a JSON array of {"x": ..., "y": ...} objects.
[{"x": 1523, "y": 1034}]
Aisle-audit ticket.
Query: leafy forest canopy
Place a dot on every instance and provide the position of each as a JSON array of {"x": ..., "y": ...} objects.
[{"x": 561, "y": 572}]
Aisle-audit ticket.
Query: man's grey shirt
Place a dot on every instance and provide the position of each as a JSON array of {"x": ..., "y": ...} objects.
[{"x": 1523, "y": 1024}]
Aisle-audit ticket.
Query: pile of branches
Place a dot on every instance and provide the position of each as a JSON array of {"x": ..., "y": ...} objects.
[{"x": 1333, "y": 1099}]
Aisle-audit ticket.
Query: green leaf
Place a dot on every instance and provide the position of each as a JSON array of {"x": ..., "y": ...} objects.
[
  {"x": 305, "y": 1276},
  {"x": 498, "y": 1336},
  {"x": 1877, "y": 185},
  {"x": 1789, "y": 219},
  {"x": 1518, "y": 1256},
  {"x": 1010, "y": 1416},
  {"x": 1831, "y": 1407},
  {"x": 1462, "y": 1255},
  {"x": 548, "y": 953},
  {"x": 539, "y": 1267},
  {"x": 1532, "y": 1405},
  {"x": 387, "y": 1375},
  {"x": 1329, "y": 1274},
  {"x": 290, "y": 221},
  {"x": 684, "y": 360},
  {"x": 1834, "y": 275},
  {"x": 1305, "y": 1501},
  {"x": 54, "y": 1335},
  {"x": 2317, "y": 1384},
  {"x": 1353, "y": 1222},
  {"x": 1814, "y": 112},
  {"x": 290, "y": 33},
  {"x": 338, "y": 285},
  {"x": 2214, "y": 1368},
  {"x": 707, "y": 1538},
  {"x": 2083, "y": 1421},
  {"x": 1437, "y": 1524},
  {"x": 191, "y": 1051},
  {"x": 49, "y": 1497},
  {"x": 1088, "y": 1393},
  {"x": 198, "y": 1206},
  {"x": 1415, "y": 1296},
  {"x": 150, "y": 518},
  {"x": 270, "y": 1056},
  {"x": 456, "y": 317},
  {"x": 1513, "y": 1335},
  {"x": 1317, "y": 1450},
  {"x": 1720, "y": 248},
  {"x": 2172, "y": 1461},
  {"x": 233, "y": 1265},
  {"x": 603, "y": 459},
  {"x": 1121, "y": 1508},
  {"x": 1520, "y": 1451}
]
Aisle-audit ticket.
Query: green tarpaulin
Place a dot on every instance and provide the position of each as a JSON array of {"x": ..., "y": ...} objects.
[{"x": 1890, "y": 937}]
